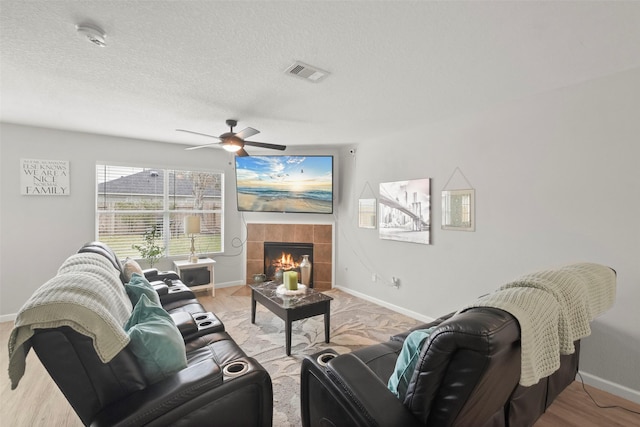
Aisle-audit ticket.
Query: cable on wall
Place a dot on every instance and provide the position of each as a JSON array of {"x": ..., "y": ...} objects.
[
  {"x": 459, "y": 171},
  {"x": 603, "y": 406}
]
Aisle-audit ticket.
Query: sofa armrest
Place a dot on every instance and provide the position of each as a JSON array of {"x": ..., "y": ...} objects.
[
  {"x": 162, "y": 397},
  {"x": 198, "y": 395},
  {"x": 169, "y": 294},
  {"x": 176, "y": 293},
  {"x": 160, "y": 287},
  {"x": 361, "y": 390},
  {"x": 153, "y": 274},
  {"x": 185, "y": 322},
  {"x": 402, "y": 336},
  {"x": 150, "y": 272}
]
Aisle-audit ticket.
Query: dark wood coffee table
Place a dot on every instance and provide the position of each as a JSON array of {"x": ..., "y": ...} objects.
[{"x": 291, "y": 308}]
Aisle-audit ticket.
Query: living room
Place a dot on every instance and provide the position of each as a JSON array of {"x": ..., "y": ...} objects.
[{"x": 554, "y": 165}]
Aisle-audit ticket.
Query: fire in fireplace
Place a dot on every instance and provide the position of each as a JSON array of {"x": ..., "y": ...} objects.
[{"x": 285, "y": 256}]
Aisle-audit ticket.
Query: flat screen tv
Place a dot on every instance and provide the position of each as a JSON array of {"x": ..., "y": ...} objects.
[{"x": 302, "y": 184}]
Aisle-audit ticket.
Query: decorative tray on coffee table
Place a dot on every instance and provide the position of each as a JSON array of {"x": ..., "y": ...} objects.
[{"x": 282, "y": 290}]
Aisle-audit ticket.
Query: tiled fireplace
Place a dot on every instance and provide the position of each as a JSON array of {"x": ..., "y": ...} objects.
[
  {"x": 317, "y": 236},
  {"x": 285, "y": 256}
]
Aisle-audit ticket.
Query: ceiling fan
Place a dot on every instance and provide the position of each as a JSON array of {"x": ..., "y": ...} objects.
[{"x": 234, "y": 142}]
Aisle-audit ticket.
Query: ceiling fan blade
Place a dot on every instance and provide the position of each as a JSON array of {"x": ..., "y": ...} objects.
[
  {"x": 197, "y": 147},
  {"x": 247, "y": 132},
  {"x": 241, "y": 153},
  {"x": 197, "y": 133},
  {"x": 266, "y": 145}
]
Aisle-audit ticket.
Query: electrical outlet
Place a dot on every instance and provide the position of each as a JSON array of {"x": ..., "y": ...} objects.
[
  {"x": 396, "y": 282},
  {"x": 374, "y": 277}
]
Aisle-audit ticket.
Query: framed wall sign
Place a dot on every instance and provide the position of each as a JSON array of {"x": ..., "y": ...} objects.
[
  {"x": 458, "y": 210},
  {"x": 44, "y": 177},
  {"x": 367, "y": 213}
]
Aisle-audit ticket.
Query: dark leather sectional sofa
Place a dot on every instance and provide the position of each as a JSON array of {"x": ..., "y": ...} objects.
[{"x": 219, "y": 386}]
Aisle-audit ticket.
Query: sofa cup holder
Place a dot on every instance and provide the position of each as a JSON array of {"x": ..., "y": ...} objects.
[
  {"x": 324, "y": 358},
  {"x": 205, "y": 320},
  {"x": 235, "y": 369}
]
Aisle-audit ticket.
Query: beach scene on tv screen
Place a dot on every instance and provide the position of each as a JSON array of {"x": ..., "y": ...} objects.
[{"x": 285, "y": 183}]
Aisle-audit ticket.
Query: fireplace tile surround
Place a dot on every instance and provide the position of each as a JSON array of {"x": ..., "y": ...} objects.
[{"x": 321, "y": 235}]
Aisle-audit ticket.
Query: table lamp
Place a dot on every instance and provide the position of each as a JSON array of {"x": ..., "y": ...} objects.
[{"x": 191, "y": 227}]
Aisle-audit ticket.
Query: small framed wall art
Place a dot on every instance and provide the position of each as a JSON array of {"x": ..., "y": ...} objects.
[
  {"x": 404, "y": 211},
  {"x": 458, "y": 210},
  {"x": 367, "y": 213}
]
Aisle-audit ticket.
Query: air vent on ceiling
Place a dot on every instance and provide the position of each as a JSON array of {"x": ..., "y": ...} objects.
[{"x": 307, "y": 72}]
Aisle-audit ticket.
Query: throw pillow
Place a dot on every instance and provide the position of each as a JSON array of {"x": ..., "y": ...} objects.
[
  {"x": 138, "y": 286},
  {"x": 407, "y": 361},
  {"x": 129, "y": 267},
  {"x": 155, "y": 341}
]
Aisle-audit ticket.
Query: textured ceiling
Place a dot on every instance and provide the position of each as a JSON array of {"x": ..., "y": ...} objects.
[{"x": 394, "y": 65}]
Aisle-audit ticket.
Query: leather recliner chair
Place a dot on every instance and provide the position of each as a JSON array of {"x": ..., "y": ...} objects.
[
  {"x": 219, "y": 386},
  {"x": 468, "y": 376}
]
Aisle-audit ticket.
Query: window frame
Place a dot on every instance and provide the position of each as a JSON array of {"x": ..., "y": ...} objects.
[{"x": 165, "y": 212}]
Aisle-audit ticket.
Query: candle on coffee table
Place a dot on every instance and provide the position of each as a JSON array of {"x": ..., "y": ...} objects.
[{"x": 290, "y": 279}]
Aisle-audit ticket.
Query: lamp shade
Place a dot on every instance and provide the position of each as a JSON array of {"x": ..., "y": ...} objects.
[{"x": 192, "y": 225}]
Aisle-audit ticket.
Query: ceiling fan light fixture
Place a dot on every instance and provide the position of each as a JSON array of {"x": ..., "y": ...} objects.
[{"x": 235, "y": 142}]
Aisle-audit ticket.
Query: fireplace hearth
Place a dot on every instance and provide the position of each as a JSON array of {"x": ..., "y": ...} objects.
[{"x": 285, "y": 256}]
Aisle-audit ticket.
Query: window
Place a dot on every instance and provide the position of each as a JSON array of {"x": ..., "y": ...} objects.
[{"x": 131, "y": 201}]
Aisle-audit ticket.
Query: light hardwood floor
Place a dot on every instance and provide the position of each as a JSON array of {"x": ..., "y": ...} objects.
[{"x": 38, "y": 402}]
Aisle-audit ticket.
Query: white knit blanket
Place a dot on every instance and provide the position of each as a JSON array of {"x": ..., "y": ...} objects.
[
  {"x": 86, "y": 295},
  {"x": 582, "y": 290},
  {"x": 553, "y": 308},
  {"x": 537, "y": 314}
]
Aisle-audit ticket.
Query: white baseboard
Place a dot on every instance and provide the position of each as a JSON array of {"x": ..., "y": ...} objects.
[
  {"x": 229, "y": 284},
  {"x": 397, "y": 309},
  {"x": 8, "y": 317},
  {"x": 610, "y": 387}
]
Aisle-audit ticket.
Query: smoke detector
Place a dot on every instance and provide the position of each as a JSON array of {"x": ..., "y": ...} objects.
[
  {"x": 93, "y": 34},
  {"x": 306, "y": 71}
]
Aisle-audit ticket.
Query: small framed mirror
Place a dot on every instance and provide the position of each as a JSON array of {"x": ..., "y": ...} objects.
[
  {"x": 367, "y": 213},
  {"x": 458, "y": 210}
]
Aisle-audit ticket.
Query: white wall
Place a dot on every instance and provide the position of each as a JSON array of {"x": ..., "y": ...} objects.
[
  {"x": 557, "y": 180},
  {"x": 37, "y": 233}
]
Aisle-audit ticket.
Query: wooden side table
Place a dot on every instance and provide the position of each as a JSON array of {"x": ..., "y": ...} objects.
[{"x": 182, "y": 267}]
